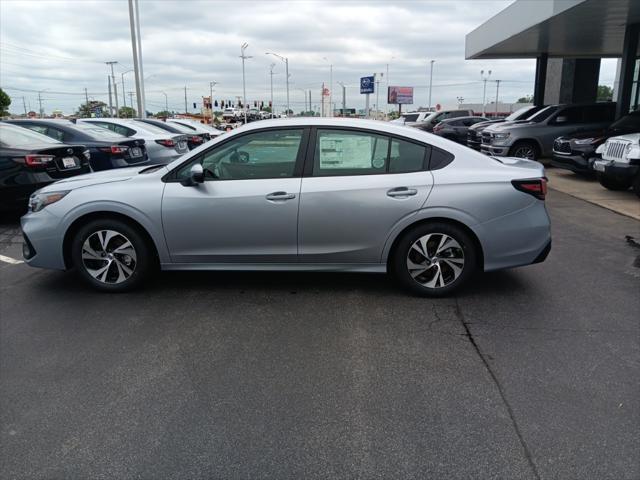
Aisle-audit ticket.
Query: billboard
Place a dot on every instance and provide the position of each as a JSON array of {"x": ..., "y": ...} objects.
[
  {"x": 367, "y": 84},
  {"x": 400, "y": 95}
]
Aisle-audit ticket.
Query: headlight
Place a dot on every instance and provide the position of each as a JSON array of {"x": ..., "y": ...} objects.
[
  {"x": 500, "y": 137},
  {"x": 38, "y": 201},
  {"x": 628, "y": 148},
  {"x": 600, "y": 148},
  {"x": 587, "y": 141}
]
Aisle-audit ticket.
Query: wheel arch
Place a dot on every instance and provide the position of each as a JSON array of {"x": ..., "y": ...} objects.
[
  {"x": 534, "y": 141},
  {"x": 103, "y": 214},
  {"x": 437, "y": 219}
]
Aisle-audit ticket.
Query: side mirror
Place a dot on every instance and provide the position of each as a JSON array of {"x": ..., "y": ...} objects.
[
  {"x": 561, "y": 119},
  {"x": 196, "y": 175}
]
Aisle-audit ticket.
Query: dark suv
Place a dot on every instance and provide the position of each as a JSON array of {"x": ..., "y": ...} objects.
[
  {"x": 456, "y": 128},
  {"x": 577, "y": 152}
]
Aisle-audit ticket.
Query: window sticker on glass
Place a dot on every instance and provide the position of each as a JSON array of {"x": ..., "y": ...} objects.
[{"x": 346, "y": 151}]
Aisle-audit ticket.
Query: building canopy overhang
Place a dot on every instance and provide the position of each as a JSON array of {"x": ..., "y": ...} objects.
[{"x": 557, "y": 28}]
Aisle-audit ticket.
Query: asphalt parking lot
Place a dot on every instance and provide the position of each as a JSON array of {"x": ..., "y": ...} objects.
[{"x": 529, "y": 373}]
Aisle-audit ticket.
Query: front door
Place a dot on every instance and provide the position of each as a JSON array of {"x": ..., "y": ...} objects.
[
  {"x": 360, "y": 186},
  {"x": 246, "y": 210}
]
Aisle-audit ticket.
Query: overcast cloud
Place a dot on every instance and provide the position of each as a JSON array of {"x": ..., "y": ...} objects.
[{"x": 61, "y": 46}]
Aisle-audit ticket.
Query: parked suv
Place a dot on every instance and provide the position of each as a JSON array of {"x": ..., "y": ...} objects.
[
  {"x": 456, "y": 128},
  {"x": 474, "y": 134},
  {"x": 619, "y": 167},
  {"x": 437, "y": 117},
  {"x": 534, "y": 139},
  {"x": 577, "y": 152}
]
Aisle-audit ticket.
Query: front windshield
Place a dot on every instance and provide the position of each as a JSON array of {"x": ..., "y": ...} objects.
[
  {"x": 629, "y": 122},
  {"x": 11, "y": 136},
  {"x": 413, "y": 117},
  {"x": 518, "y": 114},
  {"x": 544, "y": 114}
]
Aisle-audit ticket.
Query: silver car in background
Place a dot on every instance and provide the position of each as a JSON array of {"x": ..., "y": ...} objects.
[
  {"x": 162, "y": 147},
  {"x": 301, "y": 194},
  {"x": 195, "y": 126}
]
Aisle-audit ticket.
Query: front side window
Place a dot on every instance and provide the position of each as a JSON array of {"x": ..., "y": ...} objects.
[
  {"x": 259, "y": 155},
  {"x": 350, "y": 153}
]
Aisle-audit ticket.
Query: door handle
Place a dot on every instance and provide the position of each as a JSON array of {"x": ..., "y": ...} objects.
[
  {"x": 402, "y": 192},
  {"x": 275, "y": 196}
]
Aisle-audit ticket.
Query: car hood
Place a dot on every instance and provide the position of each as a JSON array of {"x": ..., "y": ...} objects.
[
  {"x": 95, "y": 178},
  {"x": 629, "y": 137},
  {"x": 509, "y": 126}
]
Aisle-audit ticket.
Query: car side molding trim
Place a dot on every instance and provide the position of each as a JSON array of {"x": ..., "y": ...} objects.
[{"x": 300, "y": 267}]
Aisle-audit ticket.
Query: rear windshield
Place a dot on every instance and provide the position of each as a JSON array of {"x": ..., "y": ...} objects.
[
  {"x": 98, "y": 133},
  {"x": 11, "y": 136},
  {"x": 149, "y": 128},
  {"x": 411, "y": 118},
  {"x": 544, "y": 114},
  {"x": 182, "y": 127}
]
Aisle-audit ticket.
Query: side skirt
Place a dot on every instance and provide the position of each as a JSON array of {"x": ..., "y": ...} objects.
[{"x": 301, "y": 267}]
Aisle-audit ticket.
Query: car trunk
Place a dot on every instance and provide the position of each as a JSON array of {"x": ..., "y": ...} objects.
[{"x": 68, "y": 161}]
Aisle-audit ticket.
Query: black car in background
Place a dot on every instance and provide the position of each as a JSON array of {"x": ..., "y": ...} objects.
[
  {"x": 107, "y": 149},
  {"x": 577, "y": 152},
  {"x": 193, "y": 139},
  {"x": 30, "y": 160},
  {"x": 474, "y": 134},
  {"x": 456, "y": 128}
]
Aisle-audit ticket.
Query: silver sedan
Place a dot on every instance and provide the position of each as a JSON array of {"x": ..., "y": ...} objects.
[{"x": 299, "y": 194}]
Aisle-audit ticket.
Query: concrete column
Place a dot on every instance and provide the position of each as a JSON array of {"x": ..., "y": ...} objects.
[
  {"x": 572, "y": 80},
  {"x": 540, "y": 82},
  {"x": 627, "y": 66}
]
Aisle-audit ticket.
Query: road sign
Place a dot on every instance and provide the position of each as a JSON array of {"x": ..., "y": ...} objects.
[{"x": 367, "y": 84}]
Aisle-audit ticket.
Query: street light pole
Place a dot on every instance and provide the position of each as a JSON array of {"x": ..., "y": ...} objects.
[
  {"x": 243, "y": 47},
  {"x": 497, "y": 90},
  {"x": 134, "y": 47},
  {"x": 124, "y": 98},
  {"x": 211, "y": 85},
  {"x": 115, "y": 87},
  {"x": 484, "y": 89},
  {"x": 271, "y": 77},
  {"x": 166, "y": 102},
  {"x": 430, "y": 81},
  {"x": 386, "y": 110},
  {"x": 286, "y": 65},
  {"x": 143, "y": 97}
]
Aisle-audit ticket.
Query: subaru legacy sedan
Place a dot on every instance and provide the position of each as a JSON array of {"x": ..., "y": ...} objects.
[{"x": 299, "y": 194}]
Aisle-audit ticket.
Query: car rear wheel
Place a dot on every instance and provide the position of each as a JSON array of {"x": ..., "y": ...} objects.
[
  {"x": 528, "y": 150},
  {"x": 612, "y": 183},
  {"x": 435, "y": 259},
  {"x": 111, "y": 255}
]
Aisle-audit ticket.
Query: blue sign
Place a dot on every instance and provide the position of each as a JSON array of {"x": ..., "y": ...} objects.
[{"x": 367, "y": 84}]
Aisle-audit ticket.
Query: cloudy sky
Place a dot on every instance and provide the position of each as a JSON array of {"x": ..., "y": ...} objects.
[{"x": 61, "y": 47}]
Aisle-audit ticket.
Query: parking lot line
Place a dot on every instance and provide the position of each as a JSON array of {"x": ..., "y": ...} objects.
[{"x": 10, "y": 260}]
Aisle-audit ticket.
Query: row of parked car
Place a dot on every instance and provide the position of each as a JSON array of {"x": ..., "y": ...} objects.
[
  {"x": 36, "y": 152},
  {"x": 583, "y": 138}
]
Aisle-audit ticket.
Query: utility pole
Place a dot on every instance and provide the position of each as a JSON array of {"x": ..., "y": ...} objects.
[
  {"x": 497, "y": 90},
  {"x": 113, "y": 82},
  {"x": 24, "y": 105},
  {"x": 286, "y": 65},
  {"x": 110, "y": 104},
  {"x": 40, "y": 103},
  {"x": 431, "y": 81},
  {"x": 322, "y": 101},
  {"x": 377, "y": 80},
  {"x": 211, "y": 85},
  {"x": 243, "y": 47},
  {"x": 136, "y": 69},
  {"x": 310, "y": 107},
  {"x": 271, "y": 77},
  {"x": 484, "y": 89},
  {"x": 186, "y": 110},
  {"x": 131, "y": 98},
  {"x": 86, "y": 97},
  {"x": 124, "y": 101},
  {"x": 344, "y": 98}
]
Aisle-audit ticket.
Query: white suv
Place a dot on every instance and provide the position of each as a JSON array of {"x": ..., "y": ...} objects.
[{"x": 619, "y": 167}]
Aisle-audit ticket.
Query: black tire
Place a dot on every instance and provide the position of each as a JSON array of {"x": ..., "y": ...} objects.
[
  {"x": 612, "y": 183},
  {"x": 402, "y": 254},
  {"x": 525, "y": 149},
  {"x": 636, "y": 185},
  {"x": 141, "y": 263}
]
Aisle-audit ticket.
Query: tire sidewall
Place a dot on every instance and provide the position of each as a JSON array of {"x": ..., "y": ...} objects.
[
  {"x": 143, "y": 255},
  {"x": 399, "y": 260},
  {"x": 531, "y": 145}
]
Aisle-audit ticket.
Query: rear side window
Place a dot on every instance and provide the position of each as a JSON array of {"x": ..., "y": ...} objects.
[
  {"x": 406, "y": 157},
  {"x": 439, "y": 159},
  {"x": 572, "y": 114},
  {"x": 55, "y": 133}
]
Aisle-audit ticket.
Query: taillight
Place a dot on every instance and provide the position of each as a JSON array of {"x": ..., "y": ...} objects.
[
  {"x": 38, "y": 160},
  {"x": 166, "y": 142},
  {"x": 536, "y": 187},
  {"x": 115, "y": 149},
  {"x": 196, "y": 139}
]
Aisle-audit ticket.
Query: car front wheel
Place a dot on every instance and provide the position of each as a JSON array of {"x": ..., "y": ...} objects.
[
  {"x": 111, "y": 255},
  {"x": 526, "y": 150},
  {"x": 435, "y": 259}
]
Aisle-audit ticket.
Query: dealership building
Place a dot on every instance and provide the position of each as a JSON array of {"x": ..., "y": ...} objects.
[{"x": 568, "y": 38}]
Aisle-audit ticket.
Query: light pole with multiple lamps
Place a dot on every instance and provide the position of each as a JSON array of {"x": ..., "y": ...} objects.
[
  {"x": 484, "y": 89},
  {"x": 243, "y": 47},
  {"x": 286, "y": 66}
]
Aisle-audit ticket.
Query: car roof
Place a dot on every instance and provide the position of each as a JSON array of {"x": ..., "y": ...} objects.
[{"x": 455, "y": 119}]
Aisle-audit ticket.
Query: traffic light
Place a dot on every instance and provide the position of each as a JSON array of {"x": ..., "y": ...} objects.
[
  {"x": 255, "y": 104},
  {"x": 216, "y": 103},
  {"x": 194, "y": 105}
]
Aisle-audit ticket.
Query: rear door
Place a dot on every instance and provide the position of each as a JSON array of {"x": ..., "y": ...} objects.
[{"x": 357, "y": 185}]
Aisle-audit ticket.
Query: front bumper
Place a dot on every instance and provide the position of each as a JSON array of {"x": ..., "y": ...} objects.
[
  {"x": 495, "y": 150},
  {"x": 621, "y": 170},
  {"x": 43, "y": 242},
  {"x": 574, "y": 162}
]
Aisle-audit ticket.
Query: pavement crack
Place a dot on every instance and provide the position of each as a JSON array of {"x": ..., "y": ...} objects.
[{"x": 505, "y": 401}]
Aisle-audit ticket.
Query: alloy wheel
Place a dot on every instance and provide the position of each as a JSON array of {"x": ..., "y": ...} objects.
[
  {"x": 435, "y": 260},
  {"x": 525, "y": 152},
  {"x": 109, "y": 256}
]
